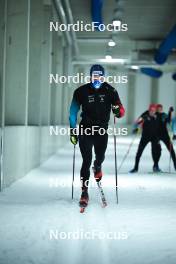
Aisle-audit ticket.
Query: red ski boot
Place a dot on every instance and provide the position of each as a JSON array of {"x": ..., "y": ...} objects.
[
  {"x": 83, "y": 203},
  {"x": 97, "y": 172}
]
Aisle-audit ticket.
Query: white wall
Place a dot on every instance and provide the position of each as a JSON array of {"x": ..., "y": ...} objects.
[
  {"x": 167, "y": 91},
  {"x": 25, "y": 148},
  {"x": 142, "y": 94},
  {"x": 30, "y": 106},
  {"x": 123, "y": 94}
]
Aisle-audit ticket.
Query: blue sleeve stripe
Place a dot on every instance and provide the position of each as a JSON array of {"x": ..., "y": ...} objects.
[
  {"x": 74, "y": 109},
  {"x": 174, "y": 126}
]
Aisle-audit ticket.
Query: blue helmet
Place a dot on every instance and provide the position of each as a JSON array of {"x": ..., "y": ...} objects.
[{"x": 97, "y": 70}]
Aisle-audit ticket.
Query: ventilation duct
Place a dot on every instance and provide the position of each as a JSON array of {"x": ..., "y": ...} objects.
[
  {"x": 152, "y": 72},
  {"x": 97, "y": 12},
  {"x": 166, "y": 47}
]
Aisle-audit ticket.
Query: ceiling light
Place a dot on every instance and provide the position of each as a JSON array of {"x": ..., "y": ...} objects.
[
  {"x": 108, "y": 57},
  {"x": 117, "y": 23},
  {"x": 134, "y": 67},
  {"x": 111, "y": 43}
]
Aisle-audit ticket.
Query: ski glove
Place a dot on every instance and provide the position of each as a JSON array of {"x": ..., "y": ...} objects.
[
  {"x": 118, "y": 110},
  {"x": 73, "y": 137},
  {"x": 171, "y": 109},
  {"x": 135, "y": 130}
]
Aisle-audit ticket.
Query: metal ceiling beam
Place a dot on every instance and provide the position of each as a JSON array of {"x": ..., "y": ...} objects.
[
  {"x": 138, "y": 43},
  {"x": 99, "y": 60},
  {"x": 71, "y": 21},
  {"x": 70, "y": 37},
  {"x": 61, "y": 14}
]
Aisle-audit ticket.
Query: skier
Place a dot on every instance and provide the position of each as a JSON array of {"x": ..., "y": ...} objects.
[
  {"x": 150, "y": 125},
  {"x": 165, "y": 119},
  {"x": 96, "y": 99}
]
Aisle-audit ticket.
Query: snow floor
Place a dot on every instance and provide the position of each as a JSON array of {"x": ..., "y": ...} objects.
[{"x": 39, "y": 205}]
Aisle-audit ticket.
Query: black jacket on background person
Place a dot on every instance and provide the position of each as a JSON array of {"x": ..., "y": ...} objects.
[
  {"x": 163, "y": 120},
  {"x": 150, "y": 125}
]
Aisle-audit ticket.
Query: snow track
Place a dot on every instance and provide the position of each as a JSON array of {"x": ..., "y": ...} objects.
[{"x": 30, "y": 209}]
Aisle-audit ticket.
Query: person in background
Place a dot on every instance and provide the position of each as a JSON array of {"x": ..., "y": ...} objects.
[
  {"x": 165, "y": 119},
  {"x": 150, "y": 125}
]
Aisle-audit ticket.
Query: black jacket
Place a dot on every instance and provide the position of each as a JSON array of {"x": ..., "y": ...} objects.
[{"x": 96, "y": 104}]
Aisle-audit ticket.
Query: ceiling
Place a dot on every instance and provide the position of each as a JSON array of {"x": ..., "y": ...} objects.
[{"x": 148, "y": 23}]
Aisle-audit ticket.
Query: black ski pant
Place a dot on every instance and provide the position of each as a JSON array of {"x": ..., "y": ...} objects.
[
  {"x": 166, "y": 139},
  {"x": 86, "y": 143},
  {"x": 156, "y": 150}
]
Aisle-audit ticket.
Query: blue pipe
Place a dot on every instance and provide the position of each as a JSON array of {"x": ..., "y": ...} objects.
[
  {"x": 166, "y": 47},
  {"x": 152, "y": 72},
  {"x": 96, "y": 8}
]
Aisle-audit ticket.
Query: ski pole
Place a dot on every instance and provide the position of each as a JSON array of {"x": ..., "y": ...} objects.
[
  {"x": 73, "y": 170},
  {"x": 170, "y": 146},
  {"x": 170, "y": 154},
  {"x": 115, "y": 156},
  {"x": 126, "y": 154}
]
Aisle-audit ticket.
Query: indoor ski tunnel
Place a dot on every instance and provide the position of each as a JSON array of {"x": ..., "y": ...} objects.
[{"x": 104, "y": 64}]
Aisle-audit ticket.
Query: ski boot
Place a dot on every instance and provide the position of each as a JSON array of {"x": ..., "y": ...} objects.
[
  {"x": 134, "y": 170},
  {"x": 83, "y": 200},
  {"x": 174, "y": 137},
  {"x": 97, "y": 172},
  {"x": 156, "y": 169}
]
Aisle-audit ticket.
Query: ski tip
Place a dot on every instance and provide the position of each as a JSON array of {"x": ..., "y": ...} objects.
[
  {"x": 104, "y": 205},
  {"x": 82, "y": 209}
]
